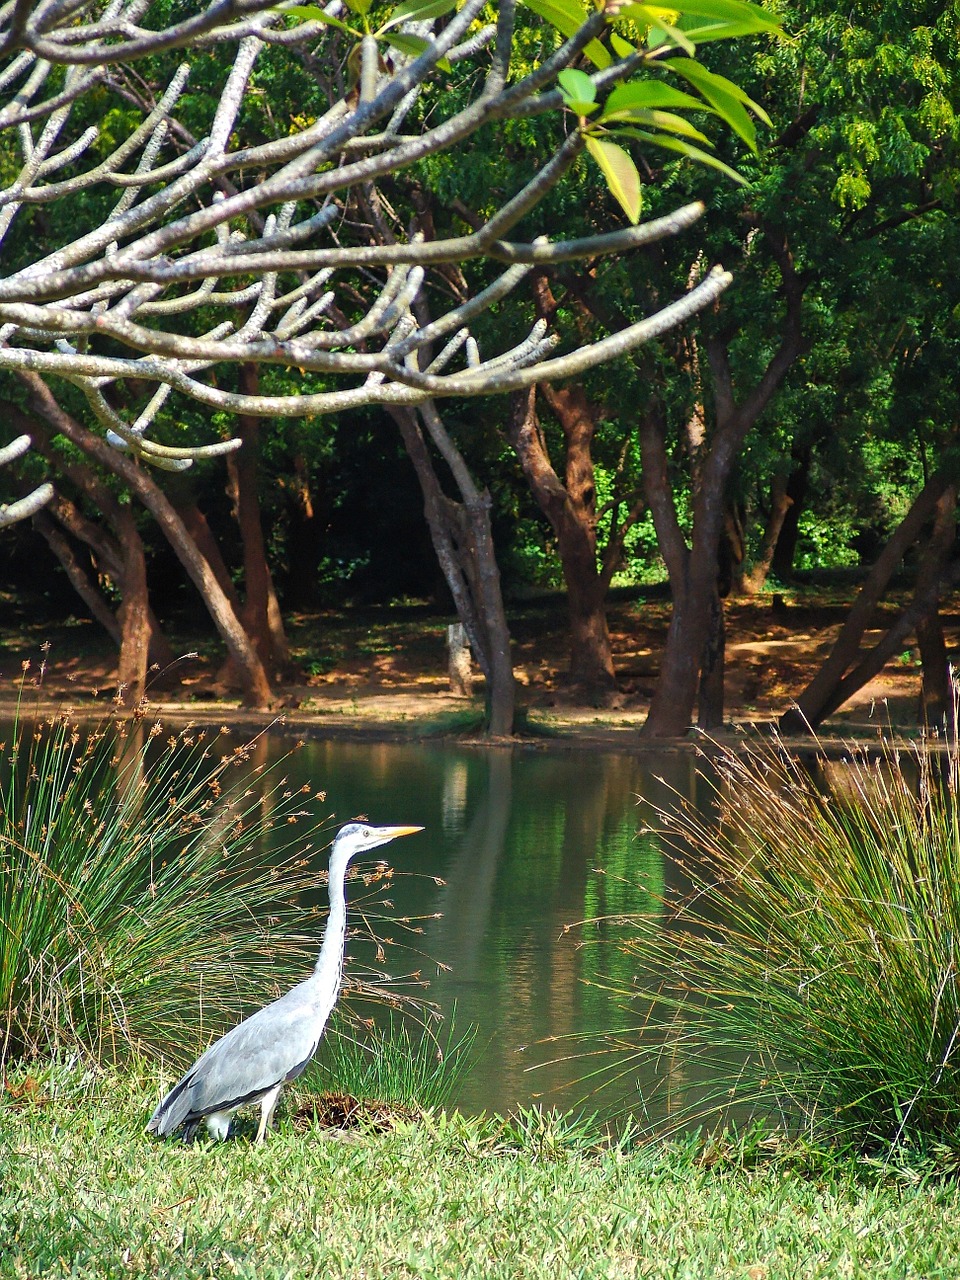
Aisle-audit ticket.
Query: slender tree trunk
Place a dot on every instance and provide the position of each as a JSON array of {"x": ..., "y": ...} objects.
[
  {"x": 832, "y": 684},
  {"x": 256, "y": 685},
  {"x": 463, "y": 540},
  {"x": 200, "y": 533},
  {"x": 785, "y": 551},
  {"x": 753, "y": 580},
  {"x": 261, "y": 611},
  {"x": 78, "y": 577},
  {"x": 694, "y": 570},
  {"x": 134, "y": 615},
  {"x": 712, "y": 670},
  {"x": 571, "y": 508},
  {"x": 936, "y": 695}
]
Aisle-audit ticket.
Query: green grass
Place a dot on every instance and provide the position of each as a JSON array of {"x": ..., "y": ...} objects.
[
  {"x": 85, "y": 1193},
  {"x": 406, "y": 1063},
  {"x": 808, "y": 953}
]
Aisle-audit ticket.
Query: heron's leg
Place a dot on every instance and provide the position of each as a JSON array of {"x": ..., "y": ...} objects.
[{"x": 268, "y": 1104}]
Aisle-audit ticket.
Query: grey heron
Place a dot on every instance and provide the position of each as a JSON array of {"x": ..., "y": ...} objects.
[{"x": 254, "y": 1060}]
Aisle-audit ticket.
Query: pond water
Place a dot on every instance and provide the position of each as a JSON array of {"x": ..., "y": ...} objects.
[{"x": 520, "y": 847}]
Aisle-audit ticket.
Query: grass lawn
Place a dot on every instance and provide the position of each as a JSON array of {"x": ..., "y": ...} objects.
[{"x": 84, "y": 1193}]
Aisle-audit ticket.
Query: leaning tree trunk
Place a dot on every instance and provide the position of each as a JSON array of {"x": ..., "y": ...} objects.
[
  {"x": 836, "y": 681},
  {"x": 77, "y": 575},
  {"x": 256, "y": 685},
  {"x": 463, "y": 541},
  {"x": 118, "y": 554}
]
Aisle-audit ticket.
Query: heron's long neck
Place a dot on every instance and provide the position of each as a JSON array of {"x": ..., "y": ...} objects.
[{"x": 331, "y": 949}]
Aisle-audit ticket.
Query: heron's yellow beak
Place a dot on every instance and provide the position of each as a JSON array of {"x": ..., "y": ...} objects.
[{"x": 401, "y": 831}]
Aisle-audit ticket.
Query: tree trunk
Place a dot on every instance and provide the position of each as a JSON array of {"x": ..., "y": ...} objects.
[
  {"x": 711, "y": 695},
  {"x": 119, "y": 554},
  {"x": 753, "y": 580},
  {"x": 256, "y": 685},
  {"x": 694, "y": 570},
  {"x": 200, "y": 533},
  {"x": 463, "y": 540},
  {"x": 79, "y": 579},
  {"x": 831, "y": 686},
  {"x": 785, "y": 551},
  {"x": 134, "y": 615},
  {"x": 261, "y": 612},
  {"x": 936, "y": 695},
  {"x": 571, "y": 509}
]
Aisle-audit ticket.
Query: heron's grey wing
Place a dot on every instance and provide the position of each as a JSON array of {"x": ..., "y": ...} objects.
[{"x": 271, "y": 1046}]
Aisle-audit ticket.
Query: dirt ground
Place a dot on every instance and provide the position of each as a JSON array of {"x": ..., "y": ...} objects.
[{"x": 382, "y": 672}]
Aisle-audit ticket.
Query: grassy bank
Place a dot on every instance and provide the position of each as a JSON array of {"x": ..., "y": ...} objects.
[{"x": 84, "y": 1193}]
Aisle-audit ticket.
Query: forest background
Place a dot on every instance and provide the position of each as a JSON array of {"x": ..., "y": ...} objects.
[{"x": 805, "y": 421}]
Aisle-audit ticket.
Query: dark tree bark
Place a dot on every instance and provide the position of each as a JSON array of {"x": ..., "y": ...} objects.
[
  {"x": 753, "y": 580},
  {"x": 260, "y": 610},
  {"x": 118, "y": 554},
  {"x": 134, "y": 615},
  {"x": 845, "y": 670},
  {"x": 256, "y": 685},
  {"x": 785, "y": 551},
  {"x": 693, "y": 637},
  {"x": 79, "y": 579},
  {"x": 937, "y": 705},
  {"x": 570, "y": 506}
]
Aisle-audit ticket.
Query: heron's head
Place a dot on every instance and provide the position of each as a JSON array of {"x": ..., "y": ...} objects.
[{"x": 359, "y": 837}]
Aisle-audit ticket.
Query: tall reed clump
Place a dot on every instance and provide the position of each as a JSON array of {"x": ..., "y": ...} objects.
[
  {"x": 413, "y": 1065},
  {"x": 809, "y": 958},
  {"x": 138, "y": 907}
]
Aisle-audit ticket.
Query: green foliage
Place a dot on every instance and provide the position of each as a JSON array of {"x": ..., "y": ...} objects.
[
  {"x": 635, "y": 109},
  {"x": 811, "y": 960},
  {"x": 136, "y": 895}
]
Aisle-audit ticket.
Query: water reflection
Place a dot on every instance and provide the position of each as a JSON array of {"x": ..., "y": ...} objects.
[{"x": 529, "y": 845}]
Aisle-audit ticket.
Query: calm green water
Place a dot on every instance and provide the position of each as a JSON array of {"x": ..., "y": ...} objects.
[{"x": 520, "y": 847}]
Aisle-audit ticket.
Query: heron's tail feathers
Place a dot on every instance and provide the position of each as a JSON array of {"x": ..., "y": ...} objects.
[{"x": 173, "y": 1110}]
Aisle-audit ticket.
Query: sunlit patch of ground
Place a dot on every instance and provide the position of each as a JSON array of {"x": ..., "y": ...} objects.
[{"x": 384, "y": 670}]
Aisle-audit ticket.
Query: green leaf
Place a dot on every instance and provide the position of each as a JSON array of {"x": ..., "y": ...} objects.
[
  {"x": 719, "y": 31},
  {"x": 671, "y": 124},
  {"x": 622, "y": 48},
  {"x": 412, "y": 46},
  {"x": 729, "y": 11},
  {"x": 750, "y": 16},
  {"x": 577, "y": 85},
  {"x": 648, "y": 95},
  {"x": 685, "y": 148},
  {"x": 621, "y": 174},
  {"x": 663, "y": 33},
  {"x": 579, "y": 91},
  {"x": 312, "y": 13},
  {"x": 568, "y": 17},
  {"x": 417, "y": 10},
  {"x": 727, "y": 99},
  {"x": 358, "y": 6}
]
